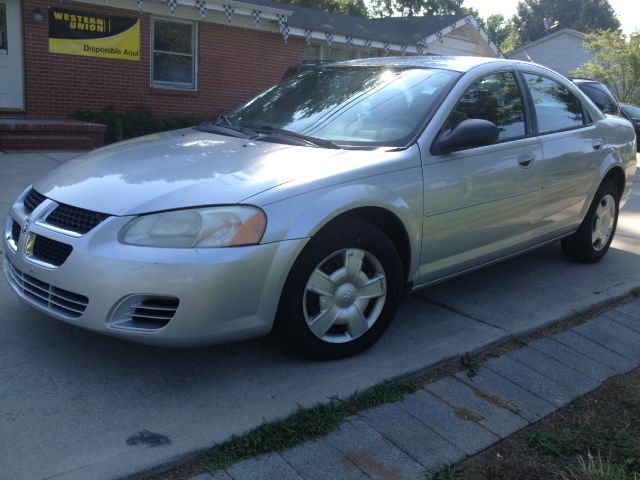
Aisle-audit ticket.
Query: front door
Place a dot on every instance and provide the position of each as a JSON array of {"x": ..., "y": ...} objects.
[
  {"x": 480, "y": 204},
  {"x": 11, "y": 71}
]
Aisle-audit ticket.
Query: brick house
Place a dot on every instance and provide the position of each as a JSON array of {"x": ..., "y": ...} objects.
[{"x": 188, "y": 56}]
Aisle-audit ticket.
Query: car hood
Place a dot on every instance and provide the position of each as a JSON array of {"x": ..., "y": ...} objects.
[{"x": 185, "y": 168}]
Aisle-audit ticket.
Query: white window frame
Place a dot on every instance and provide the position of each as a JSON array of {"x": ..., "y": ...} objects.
[{"x": 194, "y": 55}]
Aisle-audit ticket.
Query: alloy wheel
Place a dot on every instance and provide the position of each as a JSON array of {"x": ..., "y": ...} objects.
[{"x": 603, "y": 222}]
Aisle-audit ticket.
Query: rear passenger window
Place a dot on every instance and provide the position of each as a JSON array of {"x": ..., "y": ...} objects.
[
  {"x": 495, "y": 98},
  {"x": 555, "y": 106}
]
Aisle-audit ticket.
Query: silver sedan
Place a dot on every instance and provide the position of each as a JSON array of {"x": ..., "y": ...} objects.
[{"x": 313, "y": 207}]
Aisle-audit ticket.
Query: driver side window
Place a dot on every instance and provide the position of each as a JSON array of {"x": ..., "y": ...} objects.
[{"x": 495, "y": 98}]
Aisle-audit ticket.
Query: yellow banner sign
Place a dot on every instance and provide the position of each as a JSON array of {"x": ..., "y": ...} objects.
[{"x": 89, "y": 35}]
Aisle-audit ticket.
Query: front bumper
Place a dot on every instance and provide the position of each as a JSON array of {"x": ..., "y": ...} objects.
[{"x": 225, "y": 294}]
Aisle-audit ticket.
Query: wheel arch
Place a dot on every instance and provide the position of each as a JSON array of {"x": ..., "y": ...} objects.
[
  {"x": 611, "y": 169},
  {"x": 617, "y": 175},
  {"x": 396, "y": 215},
  {"x": 386, "y": 221}
]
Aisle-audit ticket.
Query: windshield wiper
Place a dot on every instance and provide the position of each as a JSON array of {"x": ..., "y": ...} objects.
[
  {"x": 226, "y": 127},
  {"x": 253, "y": 131},
  {"x": 223, "y": 118},
  {"x": 269, "y": 130}
]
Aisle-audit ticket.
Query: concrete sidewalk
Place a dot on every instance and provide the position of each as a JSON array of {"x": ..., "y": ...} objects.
[
  {"x": 461, "y": 415},
  {"x": 73, "y": 404}
]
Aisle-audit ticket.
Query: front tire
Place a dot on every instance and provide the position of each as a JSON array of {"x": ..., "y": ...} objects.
[
  {"x": 342, "y": 291},
  {"x": 592, "y": 240}
]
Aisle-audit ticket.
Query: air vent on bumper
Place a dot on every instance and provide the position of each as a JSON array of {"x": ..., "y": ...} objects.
[
  {"x": 144, "y": 312},
  {"x": 56, "y": 300}
]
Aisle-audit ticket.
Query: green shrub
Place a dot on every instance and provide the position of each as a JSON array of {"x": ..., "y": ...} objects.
[{"x": 137, "y": 121}]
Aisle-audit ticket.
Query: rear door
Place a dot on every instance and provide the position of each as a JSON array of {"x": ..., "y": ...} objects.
[
  {"x": 572, "y": 152},
  {"x": 481, "y": 203}
]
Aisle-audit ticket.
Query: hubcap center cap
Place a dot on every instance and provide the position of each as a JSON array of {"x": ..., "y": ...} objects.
[{"x": 345, "y": 295}]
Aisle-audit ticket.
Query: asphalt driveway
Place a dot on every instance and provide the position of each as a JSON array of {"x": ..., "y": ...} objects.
[{"x": 75, "y": 405}]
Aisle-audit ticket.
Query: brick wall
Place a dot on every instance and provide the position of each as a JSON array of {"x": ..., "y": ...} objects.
[{"x": 233, "y": 65}]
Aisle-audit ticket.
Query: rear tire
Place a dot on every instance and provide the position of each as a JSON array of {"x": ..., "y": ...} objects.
[
  {"x": 342, "y": 292},
  {"x": 592, "y": 240}
]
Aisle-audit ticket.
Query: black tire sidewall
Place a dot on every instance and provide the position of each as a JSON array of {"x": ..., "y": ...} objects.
[
  {"x": 580, "y": 246},
  {"x": 347, "y": 233}
]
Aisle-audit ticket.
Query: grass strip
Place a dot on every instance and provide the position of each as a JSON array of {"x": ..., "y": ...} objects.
[
  {"x": 305, "y": 424},
  {"x": 595, "y": 437}
]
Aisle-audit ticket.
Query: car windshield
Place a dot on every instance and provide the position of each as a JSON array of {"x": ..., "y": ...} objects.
[
  {"x": 360, "y": 106},
  {"x": 633, "y": 111}
]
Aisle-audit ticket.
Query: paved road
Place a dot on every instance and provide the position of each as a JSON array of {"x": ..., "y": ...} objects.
[{"x": 75, "y": 405}]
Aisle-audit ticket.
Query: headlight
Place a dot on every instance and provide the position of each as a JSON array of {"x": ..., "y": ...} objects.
[{"x": 197, "y": 227}]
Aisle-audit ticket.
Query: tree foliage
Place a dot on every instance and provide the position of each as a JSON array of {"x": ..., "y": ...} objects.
[
  {"x": 386, "y": 8},
  {"x": 583, "y": 15},
  {"x": 411, "y": 8},
  {"x": 616, "y": 62},
  {"x": 501, "y": 30},
  {"x": 356, "y": 8},
  {"x": 497, "y": 27}
]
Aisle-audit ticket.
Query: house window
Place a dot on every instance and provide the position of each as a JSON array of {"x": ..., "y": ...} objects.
[
  {"x": 173, "y": 59},
  {"x": 319, "y": 50},
  {"x": 3, "y": 29}
]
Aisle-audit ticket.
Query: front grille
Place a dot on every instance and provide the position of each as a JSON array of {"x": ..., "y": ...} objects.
[
  {"x": 75, "y": 219},
  {"x": 145, "y": 312},
  {"x": 32, "y": 200},
  {"x": 15, "y": 231},
  {"x": 50, "y": 251},
  {"x": 56, "y": 300}
]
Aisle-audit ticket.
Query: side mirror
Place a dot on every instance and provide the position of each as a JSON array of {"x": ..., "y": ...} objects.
[{"x": 467, "y": 134}]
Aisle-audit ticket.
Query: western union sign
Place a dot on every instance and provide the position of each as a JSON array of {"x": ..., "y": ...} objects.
[{"x": 79, "y": 33}]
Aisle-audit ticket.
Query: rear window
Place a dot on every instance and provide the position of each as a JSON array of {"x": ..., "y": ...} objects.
[{"x": 556, "y": 108}]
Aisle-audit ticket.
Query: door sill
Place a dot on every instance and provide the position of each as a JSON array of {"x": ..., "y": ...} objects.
[{"x": 489, "y": 263}]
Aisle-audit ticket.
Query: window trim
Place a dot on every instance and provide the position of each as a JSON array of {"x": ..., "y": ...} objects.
[
  {"x": 586, "y": 118},
  {"x": 194, "y": 39}
]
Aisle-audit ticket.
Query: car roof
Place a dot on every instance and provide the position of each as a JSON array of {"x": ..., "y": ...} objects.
[
  {"x": 585, "y": 80},
  {"x": 458, "y": 64}
]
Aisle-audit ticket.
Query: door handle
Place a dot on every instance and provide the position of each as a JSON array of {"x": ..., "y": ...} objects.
[
  {"x": 597, "y": 144},
  {"x": 526, "y": 161}
]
